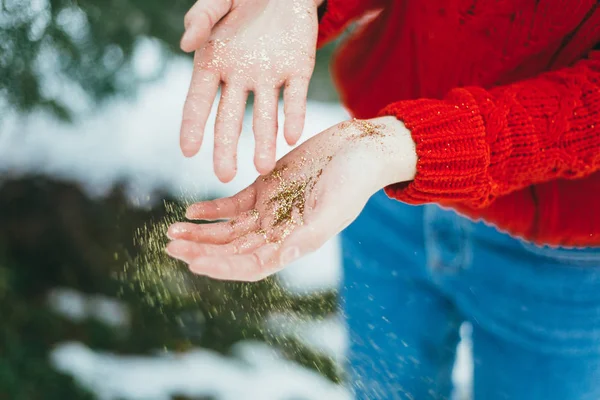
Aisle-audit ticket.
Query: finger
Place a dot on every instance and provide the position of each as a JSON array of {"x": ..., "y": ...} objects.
[
  {"x": 200, "y": 20},
  {"x": 188, "y": 251},
  {"x": 216, "y": 233},
  {"x": 183, "y": 250},
  {"x": 200, "y": 97},
  {"x": 242, "y": 267},
  {"x": 227, "y": 130},
  {"x": 228, "y": 207},
  {"x": 265, "y": 127},
  {"x": 294, "y": 106}
]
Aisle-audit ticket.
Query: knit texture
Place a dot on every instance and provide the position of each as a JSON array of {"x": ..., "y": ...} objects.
[{"x": 502, "y": 99}]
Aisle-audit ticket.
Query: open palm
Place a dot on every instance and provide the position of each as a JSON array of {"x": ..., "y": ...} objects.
[{"x": 314, "y": 192}]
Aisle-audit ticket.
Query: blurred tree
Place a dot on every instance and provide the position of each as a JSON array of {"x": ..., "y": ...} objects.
[
  {"x": 88, "y": 44},
  {"x": 87, "y": 47},
  {"x": 46, "y": 44}
]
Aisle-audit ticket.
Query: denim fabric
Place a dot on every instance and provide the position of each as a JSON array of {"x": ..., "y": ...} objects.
[{"x": 412, "y": 275}]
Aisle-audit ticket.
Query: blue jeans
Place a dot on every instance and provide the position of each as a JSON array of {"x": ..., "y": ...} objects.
[{"x": 413, "y": 275}]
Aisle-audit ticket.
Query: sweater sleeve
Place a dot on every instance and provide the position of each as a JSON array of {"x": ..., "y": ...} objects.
[{"x": 476, "y": 145}]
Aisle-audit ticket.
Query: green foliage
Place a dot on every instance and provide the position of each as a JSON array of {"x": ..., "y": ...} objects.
[
  {"x": 89, "y": 43},
  {"x": 52, "y": 235},
  {"x": 25, "y": 373}
]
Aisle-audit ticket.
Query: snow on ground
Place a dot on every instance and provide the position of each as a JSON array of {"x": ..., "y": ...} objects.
[
  {"x": 255, "y": 372},
  {"x": 137, "y": 142}
]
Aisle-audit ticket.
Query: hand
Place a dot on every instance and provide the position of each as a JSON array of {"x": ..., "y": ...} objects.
[
  {"x": 248, "y": 45},
  {"x": 315, "y": 191}
]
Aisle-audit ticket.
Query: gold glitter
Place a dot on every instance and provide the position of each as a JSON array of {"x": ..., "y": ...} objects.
[
  {"x": 277, "y": 173},
  {"x": 159, "y": 279},
  {"x": 286, "y": 232},
  {"x": 263, "y": 233},
  {"x": 366, "y": 128},
  {"x": 290, "y": 197}
]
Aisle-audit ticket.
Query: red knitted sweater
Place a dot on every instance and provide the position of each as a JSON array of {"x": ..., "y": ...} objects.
[{"x": 502, "y": 98}]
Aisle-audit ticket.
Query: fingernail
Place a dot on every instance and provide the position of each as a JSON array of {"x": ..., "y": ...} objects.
[{"x": 289, "y": 255}]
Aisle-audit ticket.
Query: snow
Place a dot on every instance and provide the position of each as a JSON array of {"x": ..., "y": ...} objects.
[
  {"x": 77, "y": 307},
  {"x": 255, "y": 372},
  {"x": 328, "y": 336},
  {"x": 136, "y": 142}
]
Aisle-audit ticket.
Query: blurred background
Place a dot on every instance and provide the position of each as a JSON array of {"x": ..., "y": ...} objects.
[{"x": 91, "y": 93}]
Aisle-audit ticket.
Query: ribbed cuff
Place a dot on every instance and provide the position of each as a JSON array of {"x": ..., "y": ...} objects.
[{"x": 453, "y": 155}]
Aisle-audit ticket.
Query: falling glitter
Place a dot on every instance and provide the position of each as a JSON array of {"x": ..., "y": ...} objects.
[
  {"x": 161, "y": 280},
  {"x": 202, "y": 306}
]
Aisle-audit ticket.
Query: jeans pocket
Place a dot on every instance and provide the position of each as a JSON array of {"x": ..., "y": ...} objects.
[
  {"x": 447, "y": 240},
  {"x": 569, "y": 256}
]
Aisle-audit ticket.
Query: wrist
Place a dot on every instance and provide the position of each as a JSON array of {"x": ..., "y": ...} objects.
[{"x": 398, "y": 156}]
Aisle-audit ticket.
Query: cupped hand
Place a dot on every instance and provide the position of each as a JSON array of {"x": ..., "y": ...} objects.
[
  {"x": 242, "y": 46},
  {"x": 314, "y": 192}
]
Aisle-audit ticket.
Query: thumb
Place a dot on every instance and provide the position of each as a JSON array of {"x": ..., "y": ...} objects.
[{"x": 200, "y": 20}]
